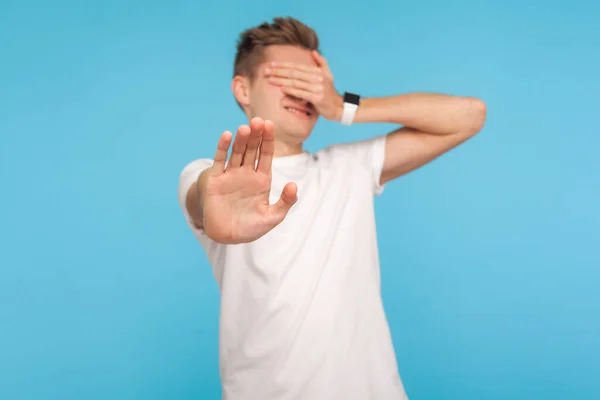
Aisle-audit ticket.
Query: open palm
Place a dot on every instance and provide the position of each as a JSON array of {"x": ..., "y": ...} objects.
[{"x": 235, "y": 201}]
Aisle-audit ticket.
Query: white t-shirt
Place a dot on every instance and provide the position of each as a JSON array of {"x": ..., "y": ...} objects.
[{"x": 301, "y": 310}]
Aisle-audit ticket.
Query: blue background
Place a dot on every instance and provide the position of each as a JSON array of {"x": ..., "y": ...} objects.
[{"x": 490, "y": 255}]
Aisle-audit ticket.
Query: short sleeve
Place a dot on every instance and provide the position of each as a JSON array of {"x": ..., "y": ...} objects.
[
  {"x": 188, "y": 176},
  {"x": 375, "y": 161},
  {"x": 368, "y": 155}
]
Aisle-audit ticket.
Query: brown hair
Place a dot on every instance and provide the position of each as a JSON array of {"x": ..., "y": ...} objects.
[{"x": 282, "y": 31}]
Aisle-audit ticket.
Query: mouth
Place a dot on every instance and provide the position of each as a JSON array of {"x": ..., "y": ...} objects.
[{"x": 299, "y": 111}]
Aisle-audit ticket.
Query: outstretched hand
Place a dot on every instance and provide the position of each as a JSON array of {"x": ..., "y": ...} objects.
[
  {"x": 311, "y": 84},
  {"x": 235, "y": 202}
]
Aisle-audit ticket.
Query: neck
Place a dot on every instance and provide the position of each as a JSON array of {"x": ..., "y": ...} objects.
[{"x": 283, "y": 149}]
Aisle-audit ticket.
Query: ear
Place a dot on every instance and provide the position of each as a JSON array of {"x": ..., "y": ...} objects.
[{"x": 240, "y": 87}]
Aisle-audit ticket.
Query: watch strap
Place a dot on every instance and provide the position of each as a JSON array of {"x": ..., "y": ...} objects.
[{"x": 350, "y": 106}]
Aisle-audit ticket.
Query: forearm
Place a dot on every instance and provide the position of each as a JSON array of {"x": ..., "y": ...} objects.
[{"x": 428, "y": 112}]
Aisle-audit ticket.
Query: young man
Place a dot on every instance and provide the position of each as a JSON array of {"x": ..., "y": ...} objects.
[{"x": 291, "y": 235}]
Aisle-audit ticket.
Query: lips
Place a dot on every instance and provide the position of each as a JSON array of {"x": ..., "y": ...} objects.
[{"x": 303, "y": 112}]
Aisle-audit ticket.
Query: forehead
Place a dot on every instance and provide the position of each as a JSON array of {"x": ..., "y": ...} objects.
[{"x": 292, "y": 54}]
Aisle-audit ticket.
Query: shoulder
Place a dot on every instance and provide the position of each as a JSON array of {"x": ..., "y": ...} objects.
[
  {"x": 365, "y": 147},
  {"x": 189, "y": 173},
  {"x": 362, "y": 153},
  {"x": 364, "y": 158},
  {"x": 187, "y": 176},
  {"x": 196, "y": 166},
  {"x": 192, "y": 169}
]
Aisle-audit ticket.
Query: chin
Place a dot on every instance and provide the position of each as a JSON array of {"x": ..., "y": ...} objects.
[
  {"x": 299, "y": 133},
  {"x": 291, "y": 126},
  {"x": 296, "y": 134}
]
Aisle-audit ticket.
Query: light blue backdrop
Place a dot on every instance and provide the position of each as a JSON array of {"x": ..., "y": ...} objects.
[{"x": 490, "y": 255}]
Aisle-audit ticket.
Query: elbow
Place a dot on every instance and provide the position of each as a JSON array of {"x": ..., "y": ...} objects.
[{"x": 477, "y": 114}]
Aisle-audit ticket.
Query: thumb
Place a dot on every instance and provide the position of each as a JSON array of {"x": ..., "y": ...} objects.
[{"x": 289, "y": 196}]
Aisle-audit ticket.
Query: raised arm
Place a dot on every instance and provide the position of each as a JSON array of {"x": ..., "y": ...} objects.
[{"x": 432, "y": 125}]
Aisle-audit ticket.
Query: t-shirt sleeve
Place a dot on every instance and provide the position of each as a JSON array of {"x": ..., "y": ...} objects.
[
  {"x": 368, "y": 155},
  {"x": 188, "y": 176}
]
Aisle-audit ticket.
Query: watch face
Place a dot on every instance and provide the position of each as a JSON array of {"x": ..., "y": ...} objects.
[{"x": 351, "y": 98}]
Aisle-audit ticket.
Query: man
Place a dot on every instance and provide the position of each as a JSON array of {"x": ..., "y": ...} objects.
[{"x": 291, "y": 235}]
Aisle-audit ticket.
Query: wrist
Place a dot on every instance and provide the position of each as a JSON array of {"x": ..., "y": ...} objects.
[
  {"x": 339, "y": 108},
  {"x": 350, "y": 106}
]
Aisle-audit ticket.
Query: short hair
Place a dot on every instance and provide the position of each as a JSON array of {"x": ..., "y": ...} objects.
[{"x": 282, "y": 31}]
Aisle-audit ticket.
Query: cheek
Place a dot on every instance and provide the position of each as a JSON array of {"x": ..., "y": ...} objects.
[
  {"x": 274, "y": 92},
  {"x": 266, "y": 99},
  {"x": 271, "y": 97}
]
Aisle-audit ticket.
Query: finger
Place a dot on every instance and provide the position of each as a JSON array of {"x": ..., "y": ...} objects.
[
  {"x": 298, "y": 84},
  {"x": 301, "y": 67},
  {"x": 321, "y": 62},
  {"x": 267, "y": 148},
  {"x": 299, "y": 93},
  {"x": 239, "y": 147},
  {"x": 289, "y": 197},
  {"x": 221, "y": 153},
  {"x": 257, "y": 126},
  {"x": 294, "y": 73}
]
